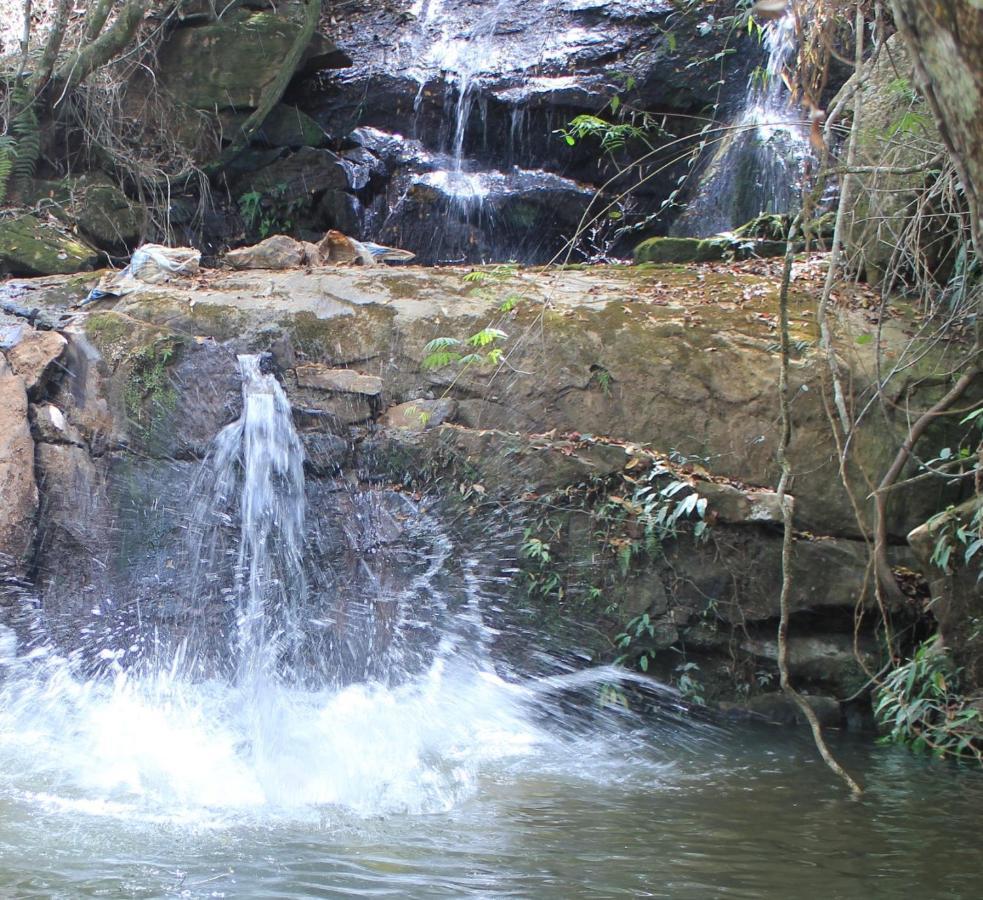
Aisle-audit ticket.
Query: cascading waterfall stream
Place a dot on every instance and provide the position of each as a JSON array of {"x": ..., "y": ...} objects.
[
  {"x": 758, "y": 165},
  {"x": 373, "y": 692},
  {"x": 262, "y": 450}
]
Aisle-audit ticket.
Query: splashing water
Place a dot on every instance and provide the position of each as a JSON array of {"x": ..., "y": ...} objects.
[{"x": 287, "y": 722}]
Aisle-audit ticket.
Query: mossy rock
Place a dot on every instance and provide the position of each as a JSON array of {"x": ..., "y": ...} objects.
[
  {"x": 679, "y": 250},
  {"x": 29, "y": 247},
  {"x": 96, "y": 207},
  {"x": 696, "y": 250},
  {"x": 228, "y": 63}
]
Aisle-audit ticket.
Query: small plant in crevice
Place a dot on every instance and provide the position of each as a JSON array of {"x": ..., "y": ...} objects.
[
  {"x": 542, "y": 580},
  {"x": 148, "y": 395},
  {"x": 919, "y": 705}
]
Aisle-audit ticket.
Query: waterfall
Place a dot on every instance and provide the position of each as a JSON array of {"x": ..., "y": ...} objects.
[
  {"x": 259, "y": 460},
  {"x": 758, "y": 164}
]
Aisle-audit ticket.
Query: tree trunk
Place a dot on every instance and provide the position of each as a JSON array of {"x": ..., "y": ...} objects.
[{"x": 945, "y": 39}]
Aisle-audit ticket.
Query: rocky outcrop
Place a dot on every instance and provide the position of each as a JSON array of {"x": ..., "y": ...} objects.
[
  {"x": 95, "y": 208},
  {"x": 599, "y": 367},
  {"x": 18, "y": 487}
]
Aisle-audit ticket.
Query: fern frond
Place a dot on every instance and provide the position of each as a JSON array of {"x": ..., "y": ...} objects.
[
  {"x": 441, "y": 343},
  {"x": 440, "y": 359},
  {"x": 8, "y": 153},
  {"x": 486, "y": 336}
]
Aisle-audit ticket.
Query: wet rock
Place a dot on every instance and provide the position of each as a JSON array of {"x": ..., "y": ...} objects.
[
  {"x": 30, "y": 246},
  {"x": 207, "y": 397},
  {"x": 18, "y": 488},
  {"x": 340, "y": 211},
  {"x": 347, "y": 381},
  {"x": 49, "y": 426},
  {"x": 419, "y": 415},
  {"x": 33, "y": 358},
  {"x": 325, "y": 454}
]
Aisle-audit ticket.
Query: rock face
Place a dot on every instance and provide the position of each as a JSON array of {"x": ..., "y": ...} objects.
[
  {"x": 458, "y": 117},
  {"x": 623, "y": 363}
]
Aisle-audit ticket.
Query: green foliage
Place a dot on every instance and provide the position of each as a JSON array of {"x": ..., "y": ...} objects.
[
  {"x": 266, "y": 214},
  {"x": 149, "y": 395},
  {"x": 919, "y": 705},
  {"x": 8, "y": 153},
  {"x": 612, "y": 136},
  {"x": 656, "y": 506},
  {"x": 960, "y": 541},
  {"x": 689, "y": 684},
  {"x": 20, "y": 149},
  {"x": 445, "y": 351},
  {"x": 542, "y": 580},
  {"x": 636, "y": 632}
]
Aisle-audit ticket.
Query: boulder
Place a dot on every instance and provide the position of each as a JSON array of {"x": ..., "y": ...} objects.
[
  {"x": 276, "y": 252},
  {"x": 230, "y": 62},
  {"x": 419, "y": 415},
  {"x": 345, "y": 381},
  {"x": 31, "y": 246},
  {"x": 298, "y": 176},
  {"x": 33, "y": 356},
  {"x": 18, "y": 488},
  {"x": 897, "y": 130},
  {"x": 718, "y": 247},
  {"x": 95, "y": 207},
  {"x": 287, "y": 126}
]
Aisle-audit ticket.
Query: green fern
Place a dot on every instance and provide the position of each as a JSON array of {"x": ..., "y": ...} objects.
[
  {"x": 8, "y": 153},
  {"x": 26, "y": 131}
]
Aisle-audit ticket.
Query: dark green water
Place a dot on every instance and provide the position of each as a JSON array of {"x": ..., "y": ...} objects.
[{"x": 738, "y": 812}]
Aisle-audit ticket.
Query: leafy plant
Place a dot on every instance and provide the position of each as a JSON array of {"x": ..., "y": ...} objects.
[
  {"x": 689, "y": 684},
  {"x": 445, "y": 351},
  {"x": 919, "y": 705},
  {"x": 542, "y": 579},
  {"x": 635, "y": 633}
]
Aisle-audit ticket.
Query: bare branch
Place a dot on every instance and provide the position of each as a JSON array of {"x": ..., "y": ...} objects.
[
  {"x": 51, "y": 47},
  {"x": 87, "y": 59}
]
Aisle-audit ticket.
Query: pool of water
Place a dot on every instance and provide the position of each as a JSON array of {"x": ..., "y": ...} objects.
[{"x": 456, "y": 785}]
